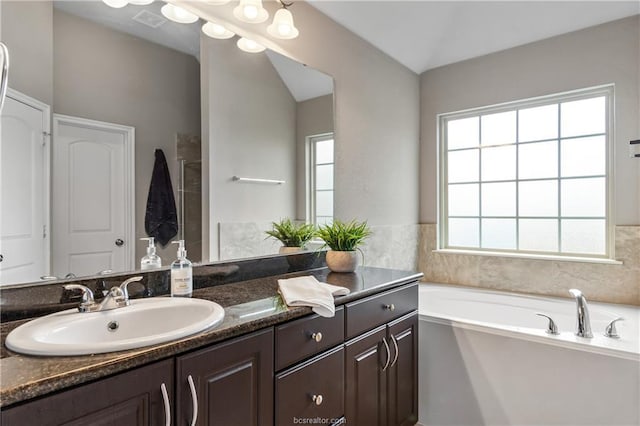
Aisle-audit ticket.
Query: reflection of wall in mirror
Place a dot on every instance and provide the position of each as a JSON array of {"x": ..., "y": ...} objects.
[
  {"x": 252, "y": 132},
  {"x": 87, "y": 70}
]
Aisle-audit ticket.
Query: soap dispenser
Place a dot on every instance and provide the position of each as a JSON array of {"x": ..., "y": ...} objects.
[
  {"x": 151, "y": 260},
  {"x": 181, "y": 273}
]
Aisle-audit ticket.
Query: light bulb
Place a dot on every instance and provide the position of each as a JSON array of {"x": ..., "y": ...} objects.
[
  {"x": 178, "y": 14},
  {"x": 216, "y": 30},
  {"x": 116, "y": 4},
  {"x": 218, "y": 2},
  {"x": 141, "y": 2},
  {"x": 282, "y": 25},
  {"x": 251, "y": 11},
  {"x": 249, "y": 45}
]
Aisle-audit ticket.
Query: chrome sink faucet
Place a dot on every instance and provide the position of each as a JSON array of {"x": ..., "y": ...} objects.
[
  {"x": 117, "y": 297},
  {"x": 583, "y": 324}
]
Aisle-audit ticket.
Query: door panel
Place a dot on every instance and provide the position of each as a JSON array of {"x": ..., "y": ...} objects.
[
  {"x": 90, "y": 205},
  {"x": 365, "y": 381},
  {"x": 403, "y": 373},
  {"x": 23, "y": 208}
]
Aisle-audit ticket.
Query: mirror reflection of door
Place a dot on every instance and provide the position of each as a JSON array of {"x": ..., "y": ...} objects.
[
  {"x": 24, "y": 211},
  {"x": 93, "y": 183}
]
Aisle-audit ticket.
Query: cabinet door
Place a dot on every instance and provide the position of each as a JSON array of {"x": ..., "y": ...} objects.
[
  {"x": 402, "y": 374},
  {"x": 366, "y": 387},
  {"x": 233, "y": 382},
  {"x": 133, "y": 398}
]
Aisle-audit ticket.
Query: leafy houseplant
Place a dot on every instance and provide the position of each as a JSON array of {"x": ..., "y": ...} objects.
[
  {"x": 292, "y": 234},
  {"x": 343, "y": 238}
]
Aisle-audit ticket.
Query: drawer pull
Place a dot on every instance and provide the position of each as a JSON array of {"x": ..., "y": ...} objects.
[
  {"x": 395, "y": 345},
  {"x": 194, "y": 400},
  {"x": 386, "y": 348},
  {"x": 317, "y": 337},
  {"x": 317, "y": 399},
  {"x": 167, "y": 405},
  {"x": 390, "y": 307}
]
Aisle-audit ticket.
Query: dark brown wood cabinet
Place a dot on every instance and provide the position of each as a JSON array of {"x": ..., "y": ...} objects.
[
  {"x": 133, "y": 398},
  {"x": 232, "y": 383},
  {"x": 402, "y": 373}
]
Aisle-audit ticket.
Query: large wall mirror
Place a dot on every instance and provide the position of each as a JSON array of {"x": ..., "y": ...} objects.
[{"x": 113, "y": 86}]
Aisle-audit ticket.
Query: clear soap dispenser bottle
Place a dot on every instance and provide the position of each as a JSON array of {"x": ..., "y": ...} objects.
[
  {"x": 151, "y": 260},
  {"x": 181, "y": 273}
]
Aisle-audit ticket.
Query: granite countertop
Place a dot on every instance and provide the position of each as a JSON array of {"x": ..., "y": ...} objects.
[{"x": 249, "y": 306}]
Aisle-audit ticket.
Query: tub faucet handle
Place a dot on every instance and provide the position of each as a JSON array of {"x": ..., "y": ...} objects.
[
  {"x": 611, "y": 330},
  {"x": 552, "y": 328}
]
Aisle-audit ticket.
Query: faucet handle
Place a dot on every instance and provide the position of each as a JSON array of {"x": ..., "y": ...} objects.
[
  {"x": 611, "y": 331},
  {"x": 87, "y": 296},
  {"x": 123, "y": 286},
  {"x": 552, "y": 328}
]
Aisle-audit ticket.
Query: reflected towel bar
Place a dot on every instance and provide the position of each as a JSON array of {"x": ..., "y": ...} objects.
[{"x": 252, "y": 180}]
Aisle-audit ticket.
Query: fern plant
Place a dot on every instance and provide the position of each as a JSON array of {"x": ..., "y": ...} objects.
[
  {"x": 344, "y": 236},
  {"x": 292, "y": 234}
]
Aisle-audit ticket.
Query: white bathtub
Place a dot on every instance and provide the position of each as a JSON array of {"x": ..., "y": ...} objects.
[{"x": 485, "y": 359}]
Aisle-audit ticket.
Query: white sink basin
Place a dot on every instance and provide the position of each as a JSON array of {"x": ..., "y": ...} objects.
[{"x": 145, "y": 322}]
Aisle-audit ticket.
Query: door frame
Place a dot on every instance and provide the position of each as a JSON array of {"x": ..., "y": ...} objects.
[
  {"x": 46, "y": 167},
  {"x": 128, "y": 133}
]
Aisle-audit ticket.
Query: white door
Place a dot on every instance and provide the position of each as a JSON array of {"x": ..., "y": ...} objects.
[
  {"x": 92, "y": 196},
  {"x": 24, "y": 174}
]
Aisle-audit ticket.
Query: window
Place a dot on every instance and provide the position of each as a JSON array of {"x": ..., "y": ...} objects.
[
  {"x": 529, "y": 177},
  {"x": 321, "y": 178}
]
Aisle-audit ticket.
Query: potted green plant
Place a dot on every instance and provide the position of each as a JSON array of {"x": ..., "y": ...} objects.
[
  {"x": 343, "y": 238},
  {"x": 293, "y": 236}
]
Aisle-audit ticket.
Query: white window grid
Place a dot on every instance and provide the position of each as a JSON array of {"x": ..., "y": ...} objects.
[
  {"x": 443, "y": 238},
  {"x": 312, "y": 189}
]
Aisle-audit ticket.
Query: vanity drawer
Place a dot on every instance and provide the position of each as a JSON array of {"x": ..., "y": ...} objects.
[
  {"x": 370, "y": 312},
  {"x": 312, "y": 389},
  {"x": 305, "y": 337}
]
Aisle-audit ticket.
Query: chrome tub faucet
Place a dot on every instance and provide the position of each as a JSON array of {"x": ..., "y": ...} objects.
[{"x": 583, "y": 323}]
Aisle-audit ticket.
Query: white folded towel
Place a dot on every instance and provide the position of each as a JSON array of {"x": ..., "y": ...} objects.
[{"x": 308, "y": 291}]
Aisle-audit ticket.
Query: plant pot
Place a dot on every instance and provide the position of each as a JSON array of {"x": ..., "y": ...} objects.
[
  {"x": 342, "y": 261},
  {"x": 289, "y": 250}
]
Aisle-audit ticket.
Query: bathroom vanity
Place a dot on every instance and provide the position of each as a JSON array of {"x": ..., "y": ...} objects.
[{"x": 266, "y": 364}]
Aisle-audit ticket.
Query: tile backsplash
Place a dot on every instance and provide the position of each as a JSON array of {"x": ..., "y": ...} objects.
[{"x": 599, "y": 282}]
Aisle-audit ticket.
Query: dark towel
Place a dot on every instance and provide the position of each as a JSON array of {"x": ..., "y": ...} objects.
[{"x": 161, "y": 219}]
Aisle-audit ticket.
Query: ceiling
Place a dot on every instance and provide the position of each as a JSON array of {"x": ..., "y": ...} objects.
[{"x": 427, "y": 34}]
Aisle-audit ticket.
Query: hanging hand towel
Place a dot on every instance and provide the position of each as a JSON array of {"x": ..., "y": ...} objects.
[
  {"x": 161, "y": 219},
  {"x": 308, "y": 291}
]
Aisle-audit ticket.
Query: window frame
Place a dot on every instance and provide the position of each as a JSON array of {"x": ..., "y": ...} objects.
[
  {"x": 311, "y": 140},
  {"x": 608, "y": 91}
]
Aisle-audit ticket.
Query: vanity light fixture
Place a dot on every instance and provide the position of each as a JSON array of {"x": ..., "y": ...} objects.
[
  {"x": 282, "y": 26},
  {"x": 141, "y": 2},
  {"x": 215, "y": 30},
  {"x": 251, "y": 11},
  {"x": 178, "y": 14},
  {"x": 116, "y": 4},
  {"x": 249, "y": 45}
]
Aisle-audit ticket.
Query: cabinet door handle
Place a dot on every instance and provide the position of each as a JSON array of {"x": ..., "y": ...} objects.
[
  {"x": 317, "y": 337},
  {"x": 317, "y": 399},
  {"x": 386, "y": 348},
  {"x": 167, "y": 405},
  {"x": 194, "y": 400},
  {"x": 395, "y": 345}
]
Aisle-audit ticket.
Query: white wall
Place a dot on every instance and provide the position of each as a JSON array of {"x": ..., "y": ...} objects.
[
  {"x": 376, "y": 110},
  {"x": 251, "y": 118},
  {"x": 608, "y": 53}
]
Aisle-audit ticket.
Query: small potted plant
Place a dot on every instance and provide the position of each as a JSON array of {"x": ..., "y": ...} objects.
[
  {"x": 293, "y": 236},
  {"x": 343, "y": 238}
]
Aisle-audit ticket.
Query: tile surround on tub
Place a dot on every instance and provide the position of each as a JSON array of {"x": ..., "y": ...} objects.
[{"x": 600, "y": 282}]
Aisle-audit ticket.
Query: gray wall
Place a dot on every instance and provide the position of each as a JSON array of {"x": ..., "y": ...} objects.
[
  {"x": 251, "y": 133},
  {"x": 26, "y": 27},
  {"x": 376, "y": 109},
  {"x": 313, "y": 117},
  {"x": 110, "y": 76},
  {"x": 608, "y": 53}
]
